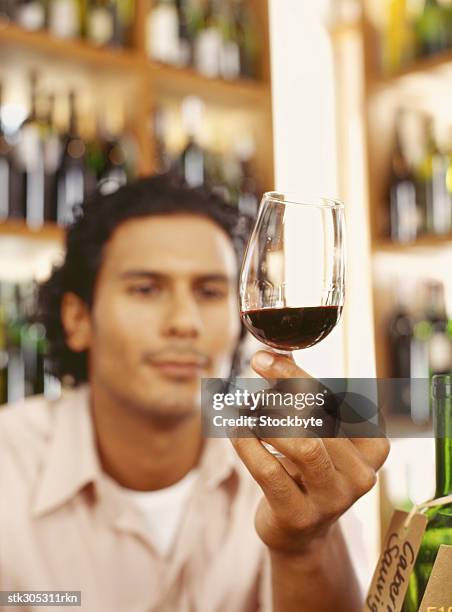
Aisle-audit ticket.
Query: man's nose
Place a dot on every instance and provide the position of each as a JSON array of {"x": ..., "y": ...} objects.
[{"x": 183, "y": 319}]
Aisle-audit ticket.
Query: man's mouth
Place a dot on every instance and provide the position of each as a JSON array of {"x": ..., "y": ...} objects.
[{"x": 179, "y": 367}]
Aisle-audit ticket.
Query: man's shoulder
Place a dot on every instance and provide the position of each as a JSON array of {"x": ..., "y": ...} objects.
[
  {"x": 27, "y": 426},
  {"x": 30, "y": 418}
]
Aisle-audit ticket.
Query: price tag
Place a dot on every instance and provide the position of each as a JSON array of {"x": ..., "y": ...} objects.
[
  {"x": 438, "y": 594},
  {"x": 401, "y": 546}
]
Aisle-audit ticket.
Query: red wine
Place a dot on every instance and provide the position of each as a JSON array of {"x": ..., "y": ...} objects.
[{"x": 292, "y": 328}]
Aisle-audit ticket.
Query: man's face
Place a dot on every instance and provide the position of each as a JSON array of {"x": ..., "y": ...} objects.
[{"x": 164, "y": 313}]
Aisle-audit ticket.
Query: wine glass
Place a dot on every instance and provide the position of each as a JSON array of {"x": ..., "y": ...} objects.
[{"x": 293, "y": 272}]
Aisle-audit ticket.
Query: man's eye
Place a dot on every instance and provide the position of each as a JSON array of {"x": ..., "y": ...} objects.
[
  {"x": 212, "y": 292},
  {"x": 144, "y": 290}
]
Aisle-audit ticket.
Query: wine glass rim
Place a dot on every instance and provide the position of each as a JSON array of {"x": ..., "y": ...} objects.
[{"x": 314, "y": 201}]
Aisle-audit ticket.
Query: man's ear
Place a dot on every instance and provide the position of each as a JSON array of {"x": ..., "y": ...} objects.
[{"x": 76, "y": 320}]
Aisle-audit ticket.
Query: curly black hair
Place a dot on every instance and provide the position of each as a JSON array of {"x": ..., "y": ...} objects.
[{"x": 94, "y": 223}]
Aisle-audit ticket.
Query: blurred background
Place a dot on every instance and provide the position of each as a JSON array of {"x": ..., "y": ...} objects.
[{"x": 348, "y": 98}]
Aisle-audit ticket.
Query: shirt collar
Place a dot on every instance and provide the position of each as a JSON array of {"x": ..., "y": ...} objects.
[{"x": 72, "y": 461}]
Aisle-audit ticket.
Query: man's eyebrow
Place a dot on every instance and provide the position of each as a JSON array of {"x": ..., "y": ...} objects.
[
  {"x": 141, "y": 274},
  {"x": 150, "y": 274},
  {"x": 224, "y": 278}
]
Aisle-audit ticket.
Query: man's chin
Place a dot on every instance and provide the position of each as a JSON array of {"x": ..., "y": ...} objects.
[{"x": 164, "y": 413}]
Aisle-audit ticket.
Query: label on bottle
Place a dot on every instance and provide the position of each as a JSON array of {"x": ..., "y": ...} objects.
[
  {"x": 31, "y": 16},
  {"x": 100, "y": 26},
  {"x": 401, "y": 546},
  {"x": 208, "y": 51},
  {"x": 64, "y": 19},
  {"x": 162, "y": 34},
  {"x": 438, "y": 593}
]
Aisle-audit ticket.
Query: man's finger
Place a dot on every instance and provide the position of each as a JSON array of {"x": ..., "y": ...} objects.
[
  {"x": 282, "y": 492},
  {"x": 273, "y": 365},
  {"x": 350, "y": 464},
  {"x": 373, "y": 450},
  {"x": 311, "y": 457}
]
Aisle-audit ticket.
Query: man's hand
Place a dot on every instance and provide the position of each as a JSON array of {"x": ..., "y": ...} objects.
[{"x": 306, "y": 493}]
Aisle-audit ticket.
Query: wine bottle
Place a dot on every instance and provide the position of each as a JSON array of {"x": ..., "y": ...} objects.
[
  {"x": 160, "y": 123},
  {"x": 12, "y": 204},
  {"x": 94, "y": 159},
  {"x": 439, "y": 527},
  {"x": 5, "y": 166},
  {"x": 66, "y": 18},
  {"x": 209, "y": 42},
  {"x": 123, "y": 23},
  {"x": 398, "y": 40},
  {"x": 185, "y": 38},
  {"x": 230, "y": 49},
  {"x": 403, "y": 211},
  {"x": 400, "y": 338},
  {"x": 70, "y": 175},
  {"x": 101, "y": 18},
  {"x": 162, "y": 32},
  {"x": 15, "y": 321},
  {"x": 191, "y": 164},
  {"x": 30, "y": 14},
  {"x": 439, "y": 345},
  {"x": 247, "y": 38},
  {"x": 29, "y": 155},
  {"x": 52, "y": 155},
  {"x": 114, "y": 172},
  {"x": 7, "y": 9},
  {"x": 441, "y": 213},
  {"x": 249, "y": 190},
  {"x": 32, "y": 342},
  {"x": 432, "y": 184},
  {"x": 3, "y": 354},
  {"x": 431, "y": 28}
]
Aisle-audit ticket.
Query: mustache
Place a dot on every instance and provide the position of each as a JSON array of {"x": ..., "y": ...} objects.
[{"x": 178, "y": 353}]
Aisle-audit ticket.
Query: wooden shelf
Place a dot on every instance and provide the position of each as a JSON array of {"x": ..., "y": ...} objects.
[
  {"x": 16, "y": 228},
  {"x": 21, "y": 46},
  {"x": 106, "y": 74},
  {"x": 426, "y": 66},
  {"x": 16, "y": 43},
  {"x": 172, "y": 81},
  {"x": 425, "y": 242}
]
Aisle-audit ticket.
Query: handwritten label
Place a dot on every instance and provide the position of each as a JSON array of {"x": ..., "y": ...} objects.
[
  {"x": 390, "y": 580},
  {"x": 438, "y": 593}
]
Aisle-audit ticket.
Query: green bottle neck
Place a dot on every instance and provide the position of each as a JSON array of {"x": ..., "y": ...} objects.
[{"x": 443, "y": 428}]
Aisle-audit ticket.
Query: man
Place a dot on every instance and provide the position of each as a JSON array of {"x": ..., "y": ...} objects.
[{"x": 112, "y": 489}]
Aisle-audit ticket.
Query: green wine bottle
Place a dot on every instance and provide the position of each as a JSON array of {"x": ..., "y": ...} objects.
[
  {"x": 431, "y": 28},
  {"x": 439, "y": 527}
]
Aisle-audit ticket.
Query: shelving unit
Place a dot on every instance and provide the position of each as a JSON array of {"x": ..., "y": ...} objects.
[
  {"x": 436, "y": 65},
  {"x": 367, "y": 102},
  {"x": 423, "y": 243},
  {"x": 373, "y": 98},
  {"x": 142, "y": 84}
]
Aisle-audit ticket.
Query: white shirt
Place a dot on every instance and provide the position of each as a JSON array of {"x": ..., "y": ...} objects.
[{"x": 163, "y": 509}]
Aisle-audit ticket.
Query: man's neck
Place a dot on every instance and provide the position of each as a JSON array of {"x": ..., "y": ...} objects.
[{"x": 139, "y": 452}]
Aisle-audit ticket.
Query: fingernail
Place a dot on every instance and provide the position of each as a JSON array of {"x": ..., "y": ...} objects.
[{"x": 264, "y": 360}]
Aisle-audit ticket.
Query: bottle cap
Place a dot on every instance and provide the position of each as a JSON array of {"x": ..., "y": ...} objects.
[{"x": 442, "y": 386}]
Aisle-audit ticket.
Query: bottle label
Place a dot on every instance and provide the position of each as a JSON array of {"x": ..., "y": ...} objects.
[
  {"x": 64, "y": 19},
  {"x": 438, "y": 593},
  {"x": 440, "y": 353},
  {"x": 100, "y": 26},
  {"x": 31, "y": 16},
  {"x": 401, "y": 546},
  {"x": 162, "y": 34},
  {"x": 208, "y": 52}
]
